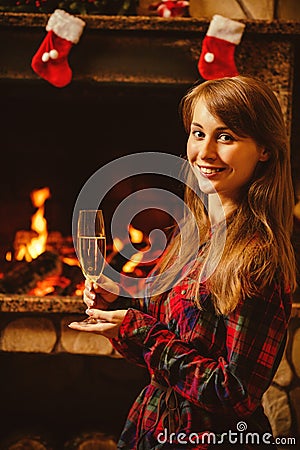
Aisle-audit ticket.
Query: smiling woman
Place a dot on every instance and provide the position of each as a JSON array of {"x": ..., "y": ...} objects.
[
  {"x": 255, "y": 186},
  {"x": 209, "y": 359},
  {"x": 223, "y": 157}
]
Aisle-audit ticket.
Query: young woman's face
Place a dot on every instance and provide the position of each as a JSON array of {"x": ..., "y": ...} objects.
[{"x": 222, "y": 161}]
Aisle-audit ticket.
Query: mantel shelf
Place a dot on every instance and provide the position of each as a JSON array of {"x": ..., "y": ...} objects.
[
  {"x": 150, "y": 51},
  {"x": 55, "y": 304},
  {"x": 151, "y": 23}
]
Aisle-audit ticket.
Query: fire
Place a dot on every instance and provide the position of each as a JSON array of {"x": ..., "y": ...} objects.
[
  {"x": 37, "y": 244},
  {"x": 48, "y": 285},
  {"x": 71, "y": 261},
  {"x": 136, "y": 236},
  {"x": 130, "y": 265},
  {"x": 8, "y": 256},
  {"x": 117, "y": 245},
  {"x": 67, "y": 280}
]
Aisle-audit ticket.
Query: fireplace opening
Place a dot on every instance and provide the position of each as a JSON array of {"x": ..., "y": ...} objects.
[
  {"x": 59, "y": 138},
  {"x": 56, "y": 139}
]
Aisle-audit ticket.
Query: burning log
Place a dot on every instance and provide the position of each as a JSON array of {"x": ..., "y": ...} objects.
[
  {"x": 24, "y": 276},
  {"x": 74, "y": 274},
  {"x": 68, "y": 283}
]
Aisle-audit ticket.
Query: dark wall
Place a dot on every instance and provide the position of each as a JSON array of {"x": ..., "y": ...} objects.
[{"x": 60, "y": 137}]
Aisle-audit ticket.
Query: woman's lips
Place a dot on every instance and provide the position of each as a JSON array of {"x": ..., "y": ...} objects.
[{"x": 210, "y": 172}]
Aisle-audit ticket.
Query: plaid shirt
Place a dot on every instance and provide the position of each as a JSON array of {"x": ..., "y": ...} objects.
[{"x": 208, "y": 371}]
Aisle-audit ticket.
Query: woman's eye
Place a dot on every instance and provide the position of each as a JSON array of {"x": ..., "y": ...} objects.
[
  {"x": 225, "y": 137},
  {"x": 198, "y": 134}
]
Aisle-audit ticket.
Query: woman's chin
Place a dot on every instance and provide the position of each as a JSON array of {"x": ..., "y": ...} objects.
[{"x": 207, "y": 187}]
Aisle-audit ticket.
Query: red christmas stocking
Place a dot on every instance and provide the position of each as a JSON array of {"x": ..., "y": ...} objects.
[
  {"x": 51, "y": 60},
  {"x": 218, "y": 48}
]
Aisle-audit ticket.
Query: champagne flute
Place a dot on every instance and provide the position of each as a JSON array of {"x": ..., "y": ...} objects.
[{"x": 91, "y": 245}]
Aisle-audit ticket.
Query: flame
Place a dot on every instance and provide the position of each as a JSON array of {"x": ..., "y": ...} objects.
[
  {"x": 136, "y": 236},
  {"x": 134, "y": 261},
  {"x": 79, "y": 289},
  {"x": 8, "y": 256},
  {"x": 48, "y": 284},
  {"x": 71, "y": 261},
  {"x": 39, "y": 196},
  {"x": 117, "y": 245},
  {"x": 37, "y": 245},
  {"x": 79, "y": 292}
]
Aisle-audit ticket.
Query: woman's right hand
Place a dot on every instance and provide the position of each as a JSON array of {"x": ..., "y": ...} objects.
[{"x": 101, "y": 294}]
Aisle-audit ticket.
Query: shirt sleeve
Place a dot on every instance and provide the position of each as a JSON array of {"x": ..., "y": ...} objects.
[
  {"x": 255, "y": 334},
  {"x": 128, "y": 348}
]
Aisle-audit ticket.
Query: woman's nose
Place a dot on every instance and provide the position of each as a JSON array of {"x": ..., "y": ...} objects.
[{"x": 207, "y": 150}]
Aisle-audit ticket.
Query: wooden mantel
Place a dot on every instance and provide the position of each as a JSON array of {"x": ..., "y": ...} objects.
[
  {"x": 138, "y": 49},
  {"x": 151, "y": 23},
  {"x": 152, "y": 51}
]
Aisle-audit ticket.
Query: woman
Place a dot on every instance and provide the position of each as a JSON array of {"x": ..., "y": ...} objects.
[{"x": 213, "y": 342}]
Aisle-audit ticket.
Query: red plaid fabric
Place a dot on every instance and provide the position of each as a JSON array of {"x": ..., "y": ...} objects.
[{"x": 217, "y": 367}]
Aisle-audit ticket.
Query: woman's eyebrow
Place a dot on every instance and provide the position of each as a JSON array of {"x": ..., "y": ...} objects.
[{"x": 221, "y": 128}]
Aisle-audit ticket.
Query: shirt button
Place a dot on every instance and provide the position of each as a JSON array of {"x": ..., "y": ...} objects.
[{"x": 183, "y": 292}]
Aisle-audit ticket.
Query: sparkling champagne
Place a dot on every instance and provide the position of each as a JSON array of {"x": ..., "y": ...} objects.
[{"x": 91, "y": 254}]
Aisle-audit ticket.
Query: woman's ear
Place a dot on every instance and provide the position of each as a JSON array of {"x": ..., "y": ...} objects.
[{"x": 264, "y": 154}]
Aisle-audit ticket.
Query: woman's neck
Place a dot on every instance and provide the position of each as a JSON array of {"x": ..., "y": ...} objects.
[{"x": 219, "y": 210}]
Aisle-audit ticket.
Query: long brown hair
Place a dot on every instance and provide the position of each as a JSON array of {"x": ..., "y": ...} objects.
[{"x": 258, "y": 235}]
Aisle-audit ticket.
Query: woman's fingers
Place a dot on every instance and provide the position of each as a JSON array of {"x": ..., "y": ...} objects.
[
  {"x": 107, "y": 323},
  {"x": 102, "y": 293},
  {"x": 88, "y": 284},
  {"x": 95, "y": 302},
  {"x": 89, "y": 297},
  {"x": 113, "y": 317},
  {"x": 107, "y": 288},
  {"x": 92, "y": 327}
]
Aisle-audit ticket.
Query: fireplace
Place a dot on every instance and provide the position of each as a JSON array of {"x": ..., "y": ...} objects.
[{"x": 129, "y": 75}]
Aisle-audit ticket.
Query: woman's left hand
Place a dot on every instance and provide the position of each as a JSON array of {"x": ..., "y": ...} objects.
[{"x": 106, "y": 323}]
